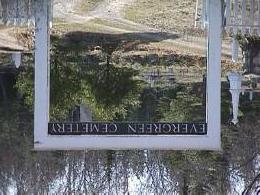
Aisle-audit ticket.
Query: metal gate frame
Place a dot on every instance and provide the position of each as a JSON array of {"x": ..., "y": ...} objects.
[{"x": 44, "y": 141}]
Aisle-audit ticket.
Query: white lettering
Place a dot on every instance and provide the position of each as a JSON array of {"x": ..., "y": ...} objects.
[
  {"x": 113, "y": 128},
  {"x": 165, "y": 127},
  {"x": 194, "y": 129},
  {"x": 131, "y": 129}
]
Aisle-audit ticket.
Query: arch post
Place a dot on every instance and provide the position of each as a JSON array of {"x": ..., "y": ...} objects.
[{"x": 41, "y": 71}]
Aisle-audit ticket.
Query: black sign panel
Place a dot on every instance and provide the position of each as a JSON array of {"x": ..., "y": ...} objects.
[{"x": 103, "y": 128}]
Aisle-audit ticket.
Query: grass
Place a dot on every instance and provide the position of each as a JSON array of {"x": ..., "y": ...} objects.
[
  {"x": 114, "y": 24},
  {"x": 174, "y": 15},
  {"x": 91, "y": 26},
  {"x": 88, "y": 5}
]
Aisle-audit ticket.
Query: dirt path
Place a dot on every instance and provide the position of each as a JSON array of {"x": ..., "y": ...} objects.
[{"x": 109, "y": 10}]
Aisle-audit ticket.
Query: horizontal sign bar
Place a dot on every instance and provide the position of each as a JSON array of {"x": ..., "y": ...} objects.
[{"x": 131, "y": 128}]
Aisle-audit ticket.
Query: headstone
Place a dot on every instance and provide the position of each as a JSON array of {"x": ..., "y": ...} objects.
[{"x": 85, "y": 114}]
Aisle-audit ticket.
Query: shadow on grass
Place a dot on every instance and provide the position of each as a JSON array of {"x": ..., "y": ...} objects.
[{"x": 80, "y": 40}]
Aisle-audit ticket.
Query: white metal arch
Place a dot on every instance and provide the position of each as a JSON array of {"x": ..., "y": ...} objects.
[{"x": 43, "y": 141}]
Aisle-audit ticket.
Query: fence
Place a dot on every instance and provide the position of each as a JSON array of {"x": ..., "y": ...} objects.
[
  {"x": 242, "y": 16},
  {"x": 18, "y": 12}
]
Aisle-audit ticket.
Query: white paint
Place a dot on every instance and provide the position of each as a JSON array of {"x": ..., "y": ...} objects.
[
  {"x": 204, "y": 13},
  {"x": 235, "y": 22},
  {"x": 126, "y": 142},
  {"x": 235, "y": 44},
  {"x": 17, "y": 59},
  {"x": 196, "y": 14},
  {"x": 227, "y": 12},
  {"x": 244, "y": 16},
  {"x": 214, "y": 71},
  {"x": 51, "y": 13},
  {"x": 258, "y": 19},
  {"x": 207, "y": 142},
  {"x": 235, "y": 49},
  {"x": 41, "y": 108},
  {"x": 235, "y": 80},
  {"x": 252, "y": 15}
]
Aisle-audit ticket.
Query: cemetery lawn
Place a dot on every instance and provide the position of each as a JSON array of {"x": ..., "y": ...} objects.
[
  {"x": 88, "y": 5},
  {"x": 138, "y": 16},
  {"x": 163, "y": 14}
]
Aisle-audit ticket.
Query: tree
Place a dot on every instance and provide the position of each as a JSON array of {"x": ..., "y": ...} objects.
[{"x": 108, "y": 89}]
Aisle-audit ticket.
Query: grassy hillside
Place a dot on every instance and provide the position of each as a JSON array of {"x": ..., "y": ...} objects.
[
  {"x": 175, "y": 15},
  {"x": 88, "y": 5}
]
